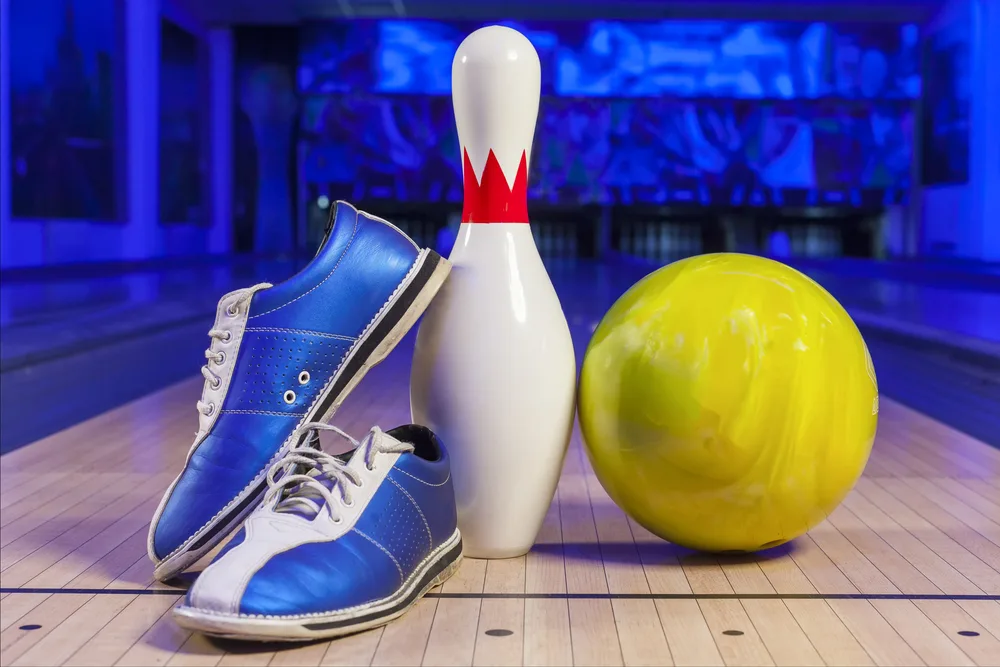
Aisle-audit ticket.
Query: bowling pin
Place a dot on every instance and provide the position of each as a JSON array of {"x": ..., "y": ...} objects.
[{"x": 494, "y": 373}]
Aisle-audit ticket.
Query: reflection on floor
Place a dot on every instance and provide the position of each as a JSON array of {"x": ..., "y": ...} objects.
[
  {"x": 61, "y": 315},
  {"x": 905, "y": 572},
  {"x": 74, "y": 346}
]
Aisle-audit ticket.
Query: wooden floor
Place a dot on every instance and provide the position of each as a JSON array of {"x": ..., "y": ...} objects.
[{"x": 906, "y": 572}]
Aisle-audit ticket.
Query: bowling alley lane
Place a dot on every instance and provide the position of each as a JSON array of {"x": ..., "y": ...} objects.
[
  {"x": 156, "y": 155},
  {"x": 908, "y": 561},
  {"x": 935, "y": 347}
]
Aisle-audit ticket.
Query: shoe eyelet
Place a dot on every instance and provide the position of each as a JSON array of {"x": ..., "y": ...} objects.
[
  {"x": 229, "y": 337},
  {"x": 304, "y": 377},
  {"x": 220, "y": 358},
  {"x": 289, "y": 397},
  {"x": 232, "y": 310},
  {"x": 338, "y": 520},
  {"x": 211, "y": 410},
  {"x": 217, "y": 383},
  {"x": 348, "y": 504}
]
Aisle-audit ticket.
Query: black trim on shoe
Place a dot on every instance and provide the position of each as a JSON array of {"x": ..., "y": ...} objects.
[
  {"x": 440, "y": 566},
  {"x": 252, "y": 498},
  {"x": 396, "y": 313}
]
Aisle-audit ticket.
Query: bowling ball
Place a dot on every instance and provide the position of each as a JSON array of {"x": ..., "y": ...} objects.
[{"x": 728, "y": 403}]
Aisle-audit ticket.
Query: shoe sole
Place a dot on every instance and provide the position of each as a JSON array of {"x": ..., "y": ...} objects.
[
  {"x": 372, "y": 348},
  {"x": 433, "y": 571}
]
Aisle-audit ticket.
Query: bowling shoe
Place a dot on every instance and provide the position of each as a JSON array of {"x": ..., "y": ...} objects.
[
  {"x": 282, "y": 356},
  {"x": 340, "y": 543}
]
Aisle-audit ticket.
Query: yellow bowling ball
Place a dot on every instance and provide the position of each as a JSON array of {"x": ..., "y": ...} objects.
[{"x": 728, "y": 403}]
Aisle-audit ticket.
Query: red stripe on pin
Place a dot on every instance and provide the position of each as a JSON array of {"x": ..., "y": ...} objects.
[{"x": 491, "y": 199}]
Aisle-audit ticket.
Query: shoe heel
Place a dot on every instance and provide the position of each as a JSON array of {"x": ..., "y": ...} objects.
[
  {"x": 417, "y": 295},
  {"x": 427, "y": 291},
  {"x": 447, "y": 573}
]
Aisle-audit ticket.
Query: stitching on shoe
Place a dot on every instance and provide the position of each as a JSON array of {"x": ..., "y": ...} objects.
[
  {"x": 385, "y": 222},
  {"x": 199, "y": 439},
  {"x": 340, "y": 259},
  {"x": 236, "y": 595},
  {"x": 402, "y": 579},
  {"x": 447, "y": 544},
  {"x": 446, "y": 479},
  {"x": 304, "y": 332},
  {"x": 427, "y": 526},
  {"x": 263, "y": 412},
  {"x": 402, "y": 285}
]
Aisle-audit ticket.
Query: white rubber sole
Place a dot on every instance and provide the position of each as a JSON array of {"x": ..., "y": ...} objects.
[{"x": 437, "y": 568}]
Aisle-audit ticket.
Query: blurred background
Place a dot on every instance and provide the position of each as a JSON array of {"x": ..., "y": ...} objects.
[{"x": 156, "y": 154}]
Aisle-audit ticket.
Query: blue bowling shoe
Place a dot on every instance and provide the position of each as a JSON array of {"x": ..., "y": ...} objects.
[
  {"x": 282, "y": 356},
  {"x": 339, "y": 544}
]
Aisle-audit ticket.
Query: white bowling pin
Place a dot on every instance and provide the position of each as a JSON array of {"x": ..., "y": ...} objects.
[{"x": 494, "y": 374}]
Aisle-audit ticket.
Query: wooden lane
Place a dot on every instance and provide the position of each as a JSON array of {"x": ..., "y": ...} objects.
[{"x": 905, "y": 572}]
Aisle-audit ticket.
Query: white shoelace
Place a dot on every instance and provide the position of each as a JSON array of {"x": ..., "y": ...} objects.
[
  {"x": 304, "y": 468},
  {"x": 214, "y": 380}
]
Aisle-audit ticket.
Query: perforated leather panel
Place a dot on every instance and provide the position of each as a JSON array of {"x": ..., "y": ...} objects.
[{"x": 271, "y": 363}]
